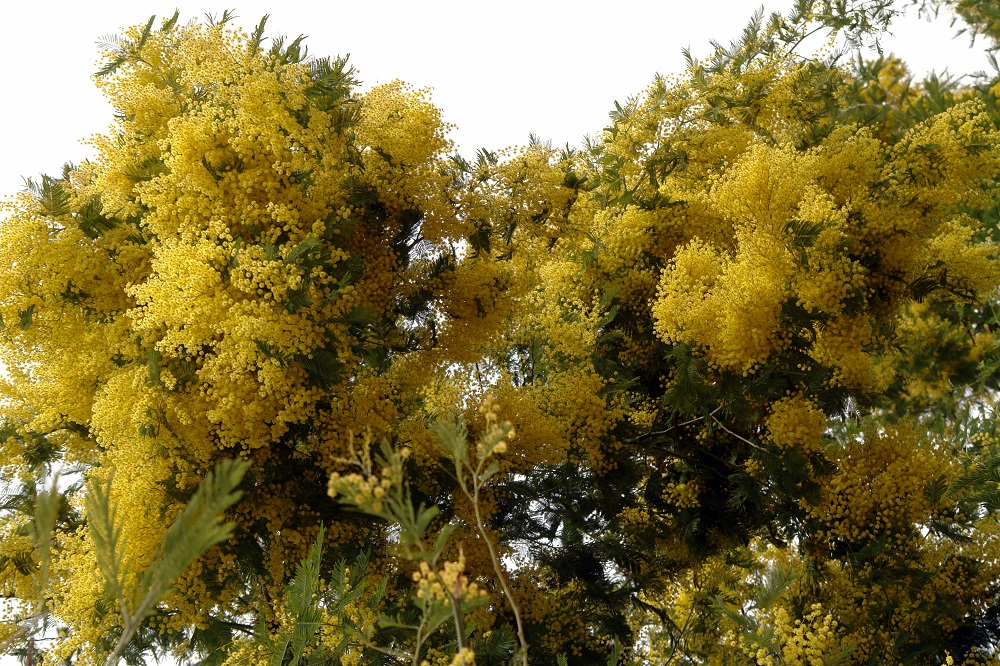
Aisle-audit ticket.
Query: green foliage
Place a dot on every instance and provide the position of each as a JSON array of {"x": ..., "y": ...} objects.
[
  {"x": 473, "y": 474},
  {"x": 441, "y": 594},
  {"x": 301, "y": 601},
  {"x": 196, "y": 529},
  {"x": 119, "y": 49},
  {"x": 981, "y": 17},
  {"x": 665, "y": 511},
  {"x": 44, "y": 509},
  {"x": 105, "y": 531}
]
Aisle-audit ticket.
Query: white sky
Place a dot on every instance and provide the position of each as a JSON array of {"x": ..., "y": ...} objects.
[{"x": 499, "y": 70}]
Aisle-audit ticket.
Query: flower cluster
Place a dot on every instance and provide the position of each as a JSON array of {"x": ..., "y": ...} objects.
[
  {"x": 811, "y": 640},
  {"x": 366, "y": 488},
  {"x": 796, "y": 422},
  {"x": 450, "y": 581},
  {"x": 878, "y": 491}
]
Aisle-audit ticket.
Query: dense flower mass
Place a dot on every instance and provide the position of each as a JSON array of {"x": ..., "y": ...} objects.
[{"x": 746, "y": 337}]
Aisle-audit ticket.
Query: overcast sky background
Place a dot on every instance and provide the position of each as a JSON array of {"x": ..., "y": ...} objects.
[{"x": 499, "y": 70}]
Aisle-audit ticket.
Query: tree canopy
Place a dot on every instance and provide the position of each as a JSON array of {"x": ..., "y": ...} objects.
[{"x": 715, "y": 387}]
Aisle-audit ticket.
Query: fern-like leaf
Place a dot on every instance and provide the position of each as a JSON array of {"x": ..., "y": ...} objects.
[
  {"x": 301, "y": 602},
  {"x": 198, "y": 527},
  {"x": 195, "y": 530},
  {"x": 106, "y": 533}
]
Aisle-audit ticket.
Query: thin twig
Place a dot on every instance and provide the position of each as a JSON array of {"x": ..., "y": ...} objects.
[
  {"x": 675, "y": 426},
  {"x": 27, "y": 627},
  {"x": 739, "y": 437},
  {"x": 501, "y": 576}
]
